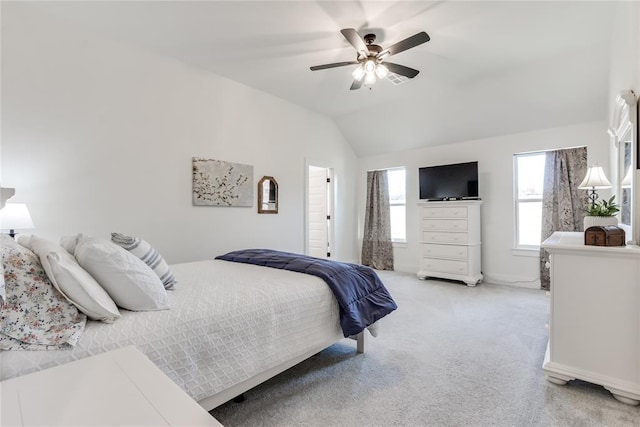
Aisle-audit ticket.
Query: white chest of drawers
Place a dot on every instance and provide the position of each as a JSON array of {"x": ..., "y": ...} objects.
[
  {"x": 450, "y": 246},
  {"x": 594, "y": 332}
]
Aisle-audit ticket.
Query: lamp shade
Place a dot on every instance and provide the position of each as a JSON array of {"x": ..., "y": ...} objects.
[
  {"x": 595, "y": 179},
  {"x": 358, "y": 73},
  {"x": 15, "y": 216},
  {"x": 369, "y": 66},
  {"x": 369, "y": 79},
  {"x": 381, "y": 71}
]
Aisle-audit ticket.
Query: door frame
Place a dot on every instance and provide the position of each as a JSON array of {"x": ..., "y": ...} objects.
[{"x": 331, "y": 232}]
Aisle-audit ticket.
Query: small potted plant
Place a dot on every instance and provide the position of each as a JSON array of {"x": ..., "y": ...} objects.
[{"x": 602, "y": 213}]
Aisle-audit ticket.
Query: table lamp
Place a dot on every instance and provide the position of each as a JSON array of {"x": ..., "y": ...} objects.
[
  {"x": 594, "y": 180},
  {"x": 15, "y": 216}
]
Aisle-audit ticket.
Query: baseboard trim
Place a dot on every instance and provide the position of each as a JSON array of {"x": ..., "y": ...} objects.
[
  {"x": 496, "y": 279},
  {"x": 406, "y": 268},
  {"x": 516, "y": 281}
]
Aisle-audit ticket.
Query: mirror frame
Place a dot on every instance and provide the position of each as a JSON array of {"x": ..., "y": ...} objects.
[
  {"x": 622, "y": 131},
  {"x": 262, "y": 210}
]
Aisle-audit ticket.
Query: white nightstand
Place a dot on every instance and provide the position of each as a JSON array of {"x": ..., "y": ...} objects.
[{"x": 117, "y": 388}]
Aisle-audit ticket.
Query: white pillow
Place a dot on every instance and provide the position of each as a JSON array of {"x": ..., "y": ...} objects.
[
  {"x": 24, "y": 240},
  {"x": 69, "y": 242},
  {"x": 147, "y": 253},
  {"x": 73, "y": 282},
  {"x": 129, "y": 281}
]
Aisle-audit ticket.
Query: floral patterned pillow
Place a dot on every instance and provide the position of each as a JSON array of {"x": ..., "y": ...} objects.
[{"x": 35, "y": 315}]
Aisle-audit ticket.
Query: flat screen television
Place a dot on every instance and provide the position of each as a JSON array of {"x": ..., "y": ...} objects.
[{"x": 449, "y": 182}]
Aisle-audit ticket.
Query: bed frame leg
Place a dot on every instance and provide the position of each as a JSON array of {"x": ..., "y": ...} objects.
[{"x": 360, "y": 342}]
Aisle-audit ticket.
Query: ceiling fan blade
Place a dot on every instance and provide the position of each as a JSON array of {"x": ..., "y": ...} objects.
[
  {"x": 356, "y": 41},
  {"x": 401, "y": 69},
  {"x": 357, "y": 84},
  {"x": 334, "y": 65},
  {"x": 408, "y": 43}
]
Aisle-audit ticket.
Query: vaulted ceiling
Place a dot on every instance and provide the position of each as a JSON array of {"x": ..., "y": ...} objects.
[{"x": 491, "y": 68}]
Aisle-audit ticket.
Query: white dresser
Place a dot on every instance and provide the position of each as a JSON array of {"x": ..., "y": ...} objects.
[
  {"x": 594, "y": 332},
  {"x": 450, "y": 246}
]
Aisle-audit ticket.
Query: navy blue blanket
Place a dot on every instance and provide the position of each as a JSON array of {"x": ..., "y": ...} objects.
[{"x": 362, "y": 297}]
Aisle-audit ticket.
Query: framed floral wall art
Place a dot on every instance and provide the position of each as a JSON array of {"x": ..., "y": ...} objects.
[{"x": 220, "y": 183}]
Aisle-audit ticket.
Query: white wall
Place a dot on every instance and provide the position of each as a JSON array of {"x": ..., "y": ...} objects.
[
  {"x": 625, "y": 51},
  {"x": 625, "y": 58},
  {"x": 98, "y": 136},
  {"x": 495, "y": 168},
  {"x": 624, "y": 74}
]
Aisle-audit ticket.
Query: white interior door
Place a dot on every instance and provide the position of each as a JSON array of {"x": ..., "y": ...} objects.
[{"x": 319, "y": 211}]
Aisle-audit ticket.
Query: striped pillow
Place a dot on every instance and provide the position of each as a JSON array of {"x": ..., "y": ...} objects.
[{"x": 149, "y": 255}]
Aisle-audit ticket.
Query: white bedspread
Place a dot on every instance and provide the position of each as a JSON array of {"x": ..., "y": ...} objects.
[{"x": 227, "y": 323}]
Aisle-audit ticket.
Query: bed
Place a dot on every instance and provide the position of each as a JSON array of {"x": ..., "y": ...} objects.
[{"x": 231, "y": 326}]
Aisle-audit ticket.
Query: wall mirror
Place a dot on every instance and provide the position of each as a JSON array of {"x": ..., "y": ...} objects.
[
  {"x": 267, "y": 195},
  {"x": 623, "y": 132}
]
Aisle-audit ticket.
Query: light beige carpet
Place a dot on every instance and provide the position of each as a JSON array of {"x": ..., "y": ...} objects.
[{"x": 449, "y": 356}]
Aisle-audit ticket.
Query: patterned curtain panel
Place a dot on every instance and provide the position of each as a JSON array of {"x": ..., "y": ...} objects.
[
  {"x": 377, "y": 250},
  {"x": 563, "y": 204}
]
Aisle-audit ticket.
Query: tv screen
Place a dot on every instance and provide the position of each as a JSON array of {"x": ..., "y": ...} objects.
[{"x": 455, "y": 181}]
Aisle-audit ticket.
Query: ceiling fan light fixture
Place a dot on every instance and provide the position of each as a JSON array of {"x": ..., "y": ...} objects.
[
  {"x": 369, "y": 67},
  {"x": 382, "y": 71},
  {"x": 369, "y": 79},
  {"x": 370, "y": 56},
  {"x": 358, "y": 73}
]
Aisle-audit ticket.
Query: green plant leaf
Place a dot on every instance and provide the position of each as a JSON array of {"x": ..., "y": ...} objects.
[{"x": 604, "y": 208}]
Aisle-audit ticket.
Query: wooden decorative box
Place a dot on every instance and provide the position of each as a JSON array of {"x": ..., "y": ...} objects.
[{"x": 609, "y": 235}]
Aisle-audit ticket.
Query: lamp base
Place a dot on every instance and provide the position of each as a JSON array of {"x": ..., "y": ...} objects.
[{"x": 593, "y": 196}]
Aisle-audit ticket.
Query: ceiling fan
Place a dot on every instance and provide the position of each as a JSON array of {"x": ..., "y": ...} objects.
[{"x": 371, "y": 57}]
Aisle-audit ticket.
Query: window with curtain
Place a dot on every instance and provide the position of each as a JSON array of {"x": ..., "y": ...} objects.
[
  {"x": 547, "y": 198},
  {"x": 377, "y": 249},
  {"x": 529, "y": 179},
  {"x": 397, "y": 182},
  {"x": 563, "y": 203}
]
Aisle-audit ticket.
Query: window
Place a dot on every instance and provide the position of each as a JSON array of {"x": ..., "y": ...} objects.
[
  {"x": 398, "y": 203},
  {"x": 529, "y": 177}
]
